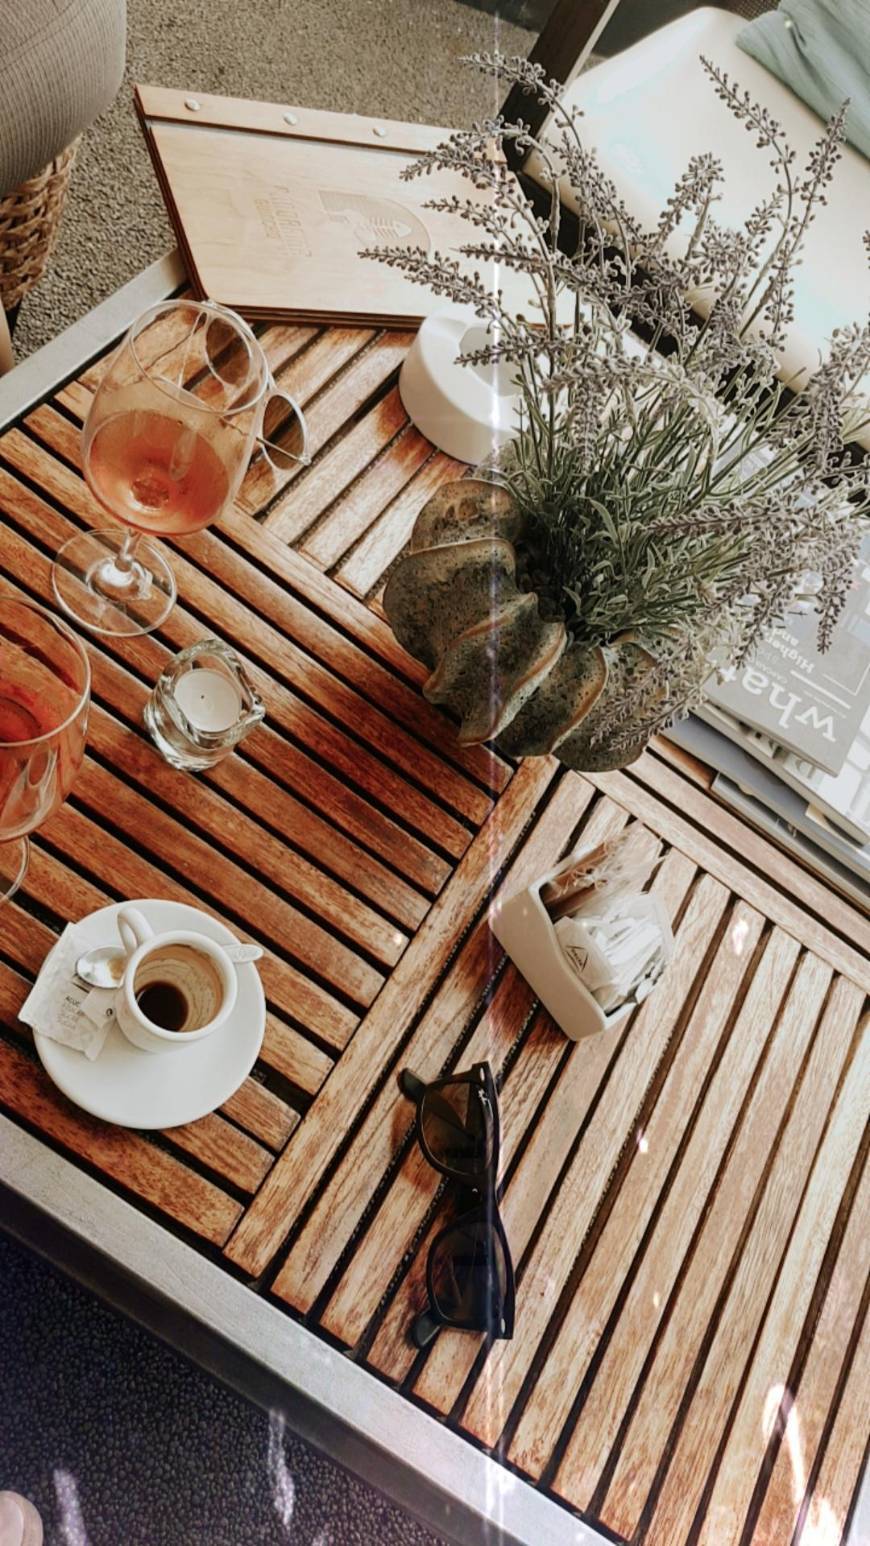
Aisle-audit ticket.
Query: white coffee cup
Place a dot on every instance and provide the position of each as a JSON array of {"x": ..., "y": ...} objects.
[{"x": 187, "y": 973}]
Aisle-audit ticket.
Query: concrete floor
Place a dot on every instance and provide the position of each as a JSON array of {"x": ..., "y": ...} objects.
[{"x": 398, "y": 58}]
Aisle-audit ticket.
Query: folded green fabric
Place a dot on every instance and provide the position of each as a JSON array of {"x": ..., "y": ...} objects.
[{"x": 821, "y": 49}]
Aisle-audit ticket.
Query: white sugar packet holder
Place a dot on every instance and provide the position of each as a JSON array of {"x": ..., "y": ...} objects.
[
  {"x": 524, "y": 928},
  {"x": 62, "y": 1008}
]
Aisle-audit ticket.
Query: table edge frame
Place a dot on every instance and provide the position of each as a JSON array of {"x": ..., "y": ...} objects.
[{"x": 63, "y": 357}]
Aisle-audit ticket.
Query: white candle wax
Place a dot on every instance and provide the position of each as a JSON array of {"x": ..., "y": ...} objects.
[{"x": 208, "y": 699}]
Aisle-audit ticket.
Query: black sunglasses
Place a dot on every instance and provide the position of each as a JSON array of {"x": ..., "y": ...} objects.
[{"x": 469, "y": 1273}]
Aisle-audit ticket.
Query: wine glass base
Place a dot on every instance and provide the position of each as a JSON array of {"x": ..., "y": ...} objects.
[
  {"x": 107, "y": 597},
  {"x": 14, "y": 858}
]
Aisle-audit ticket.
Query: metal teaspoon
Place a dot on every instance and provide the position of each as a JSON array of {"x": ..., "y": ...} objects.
[{"x": 103, "y": 967}]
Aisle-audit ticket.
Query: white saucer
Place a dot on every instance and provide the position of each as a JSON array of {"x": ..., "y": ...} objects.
[{"x": 161, "y": 1089}]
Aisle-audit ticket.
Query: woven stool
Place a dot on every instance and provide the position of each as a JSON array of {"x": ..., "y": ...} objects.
[{"x": 29, "y": 221}]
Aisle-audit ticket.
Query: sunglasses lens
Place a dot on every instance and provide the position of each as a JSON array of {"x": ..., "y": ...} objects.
[
  {"x": 283, "y": 432},
  {"x": 469, "y": 1276},
  {"x": 228, "y": 353},
  {"x": 456, "y": 1122}
]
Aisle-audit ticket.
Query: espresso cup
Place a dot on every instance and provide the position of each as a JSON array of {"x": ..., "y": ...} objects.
[{"x": 178, "y": 986}]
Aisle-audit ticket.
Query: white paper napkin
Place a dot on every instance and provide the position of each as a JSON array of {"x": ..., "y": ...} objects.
[{"x": 60, "y": 1007}]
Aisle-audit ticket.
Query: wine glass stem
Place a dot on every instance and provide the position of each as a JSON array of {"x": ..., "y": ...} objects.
[
  {"x": 126, "y": 556},
  {"x": 14, "y": 859}
]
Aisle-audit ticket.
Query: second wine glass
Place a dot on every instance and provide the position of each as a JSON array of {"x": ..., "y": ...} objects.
[
  {"x": 165, "y": 446},
  {"x": 45, "y": 690}
]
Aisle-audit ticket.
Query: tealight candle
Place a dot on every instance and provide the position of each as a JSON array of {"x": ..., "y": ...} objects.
[
  {"x": 208, "y": 700},
  {"x": 202, "y": 706}
]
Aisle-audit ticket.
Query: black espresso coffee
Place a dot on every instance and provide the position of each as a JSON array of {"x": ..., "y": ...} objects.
[{"x": 163, "y": 1004}]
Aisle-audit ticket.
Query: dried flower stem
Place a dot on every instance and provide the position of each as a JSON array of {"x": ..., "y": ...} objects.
[{"x": 682, "y": 495}]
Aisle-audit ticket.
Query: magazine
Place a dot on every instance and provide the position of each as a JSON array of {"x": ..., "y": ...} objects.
[
  {"x": 762, "y": 783},
  {"x": 793, "y": 840},
  {"x": 808, "y": 702},
  {"x": 843, "y": 799}
]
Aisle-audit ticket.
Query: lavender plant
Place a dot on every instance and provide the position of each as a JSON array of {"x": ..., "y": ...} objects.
[{"x": 682, "y": 491}]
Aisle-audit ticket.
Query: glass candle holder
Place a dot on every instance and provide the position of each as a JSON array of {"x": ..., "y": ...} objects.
[{"x": 202, "y": 706}]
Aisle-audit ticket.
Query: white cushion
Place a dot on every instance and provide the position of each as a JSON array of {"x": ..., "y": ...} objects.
[{"x": 647, "y": 110}]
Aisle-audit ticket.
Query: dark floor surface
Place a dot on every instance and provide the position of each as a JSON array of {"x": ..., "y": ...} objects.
[{"x": 120, "y": 1442}]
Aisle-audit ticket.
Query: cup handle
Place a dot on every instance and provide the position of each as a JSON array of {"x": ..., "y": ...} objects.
[{"x": 133, "y": 928}]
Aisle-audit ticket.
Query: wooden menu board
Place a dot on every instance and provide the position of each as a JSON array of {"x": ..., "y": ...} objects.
[{"x": 272, "y": 205}]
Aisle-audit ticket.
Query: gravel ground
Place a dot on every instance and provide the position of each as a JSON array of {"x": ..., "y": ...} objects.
[
  {"x": 398, "y": 58},
  {"x": 120, "y": 1442}
]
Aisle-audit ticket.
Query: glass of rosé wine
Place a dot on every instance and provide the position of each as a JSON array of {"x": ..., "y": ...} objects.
[
  {"x": 45, "y": 692},
  {"x": 181, "y": 407}
]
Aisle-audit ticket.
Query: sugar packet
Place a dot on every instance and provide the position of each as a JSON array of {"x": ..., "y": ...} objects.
[{"x": 62, "y": 1008}]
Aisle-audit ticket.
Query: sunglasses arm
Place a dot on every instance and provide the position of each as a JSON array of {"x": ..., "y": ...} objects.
[
  {"x": 411, "y": 1086},
  {"x": 425, "y": 1329}
]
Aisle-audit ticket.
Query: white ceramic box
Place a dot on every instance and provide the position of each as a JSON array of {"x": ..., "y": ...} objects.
[{"x": 522, "y": 926}]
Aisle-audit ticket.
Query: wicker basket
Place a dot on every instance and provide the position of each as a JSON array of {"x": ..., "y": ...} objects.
[{"x": 29, "y": 220}]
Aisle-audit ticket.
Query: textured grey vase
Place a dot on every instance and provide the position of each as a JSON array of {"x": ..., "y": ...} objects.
[{"x": 506, "y": 673}]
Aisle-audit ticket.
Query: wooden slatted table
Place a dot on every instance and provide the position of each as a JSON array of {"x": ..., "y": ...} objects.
[{"x": 686, "y": 1197}]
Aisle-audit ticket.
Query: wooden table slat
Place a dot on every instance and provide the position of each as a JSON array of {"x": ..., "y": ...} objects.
[
  {"x": 585, "y": 1320},
  {"x": 222, "y": 1148},
  {"x": 379, "y": 1035},
  {"x": 352, "y": 514},
  {"x": 814, "y": 1397},
  {"x": 262, "y": 1113},
  {"x": 253, "y": 845},
  {"x": 331, "y": 411},
  {"x": 831, "y": 1496},
  {"x": 341, "y": 467},
  {"x": 785, "y": 1317},
  {"x": 760, "y": 1261},
  {"x": 707, "y": 1274},
  {"x": 734, "y": 872},
  {"x": 364, "y": 566},
  {"x": 749, "y": 1075},
  {"x": 329, "y": 356},
  {"x": 301, "y": 671},
  {"x": 139, "y": 1166},
  {"x": 804, "y": 888}
]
